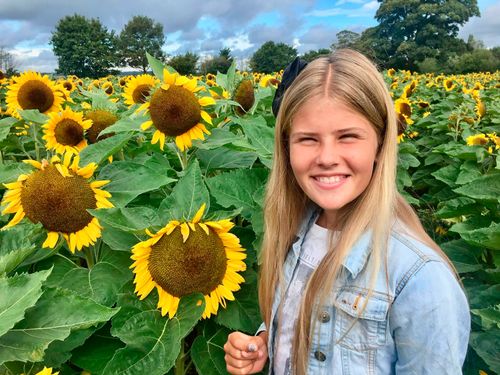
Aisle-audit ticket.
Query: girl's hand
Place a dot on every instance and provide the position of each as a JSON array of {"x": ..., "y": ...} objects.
[{"x": 245, "y": 354}]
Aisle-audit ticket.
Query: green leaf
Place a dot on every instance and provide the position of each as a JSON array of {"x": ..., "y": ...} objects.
[
  {"x": 406, "y": 160},
  {"x": 486, "y": 344},
  {"x": 225, "y": 158},
  {"x": 187, "y": 196},
  {"x": 17, "y": 294},
  {"x": 129, "y": 179},
  {"x": 5, "y": 125},
  {"x": 456, "y": 207},
  {"x": 101, "y": 283},
  {"x": 236, "y": 188},
  {"x": 16, "y": 246},
  {"x": 208, "y": 353},
  {"x": 33, "y": 115},
  {"x": 222, "y": 137},
  {"x": 487, "y": 236},
  {"x": 100, "y": 151},
  {"x": 57, "y": 312},
  {"x": 260, "y": 135},
  {"x": 127, "y": 219},
  {"x": 447, "y": 174},
  {"x": 469, "y": 172},
  {"x": 485, "y": 187},
  {"x": 153, "y": 342},
  {"x": 125, "y": 124},
  {"x": 242, "y": 314},
  {"x": 464, "y": 256},
  {"x": 58, "y": 352},
  {"x": 490, "y": 317},
  {"x": 96, "y": 353},
  {"x": 10, "y": 172},
  {"x": 117, "y": 239},
  {"x": 156, "y": 65}
]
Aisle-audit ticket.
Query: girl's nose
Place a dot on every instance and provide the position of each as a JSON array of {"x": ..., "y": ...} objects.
[{"x": 327, "y": 155}]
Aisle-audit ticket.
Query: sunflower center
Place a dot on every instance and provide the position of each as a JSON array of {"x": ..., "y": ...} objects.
[
  {"x": 198, "y": 265},
  {"x": 35, "y": 95},
  {"x": 140, "y": 93},
  {"x": 68, "y": 132},
  {"x": 174, "y": 111},
  {"x": 58, "y": 202},
  {"x": 101, "y": 119},
  {"x": 244, "y": 96},
  {"x": 68, "y": 85}
]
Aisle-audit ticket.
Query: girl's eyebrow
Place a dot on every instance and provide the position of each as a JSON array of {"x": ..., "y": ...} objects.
[{"x": 340, "y": 131}]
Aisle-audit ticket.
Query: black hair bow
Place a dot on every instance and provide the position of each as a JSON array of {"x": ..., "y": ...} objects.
[{"x": 291, "y": 72}]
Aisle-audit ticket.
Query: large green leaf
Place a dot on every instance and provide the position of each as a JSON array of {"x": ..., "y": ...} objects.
[
  {"x": 125, "y": 124},
  {"x": 469, "y": 171},
  {"x": 486, "y": 344},
  {"x": 152, "y": 341},
  {"x": 487, "y": 236},
  {"x": 260, "y": 135},
  {"x": 187, "y": 196},
  {"x": 464, "y": 256},
  {"x": 243, "y": 313},
  {"x": 117, "y": 239},
  {"x": 457, "y": 207},
  {"x": 56, "y": 313},
  {"x": 130, "y": 179},
  {"x": 100, "y": 151},
  {"x": 222, "y": 137},
  {"x": 33, "y": 115},
  {"x": 490, "y": 317},
  {"x": 16, "y": 244},
  {"x": 236, "y": 188},
  {"x": 17, "y": 294},
  {"x": 208, "y": 353},
  {"x": 486, "y": 187},
  {"x": 5, "y": 125},
  {"x": 128, "y": 219},
  {"x": 10, "y": 172},
  {"x": 447, "y": 174},
  {"x": 156, "y": 65},
  {"x": 58, "y": 352},
  {"x": 225, "y": 158}
]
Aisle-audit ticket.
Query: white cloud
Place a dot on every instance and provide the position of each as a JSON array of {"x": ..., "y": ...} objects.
[
  {"x": 485, "y": 28},
  {"x": 238, "y": 43},
  {"x": 366, "y": 10}
]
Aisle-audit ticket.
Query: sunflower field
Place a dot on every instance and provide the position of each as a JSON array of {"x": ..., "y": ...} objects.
[{"x": 131, "y": 212}]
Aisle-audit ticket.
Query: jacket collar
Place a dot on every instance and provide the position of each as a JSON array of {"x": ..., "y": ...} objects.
[{"x": 354, "y": 262}]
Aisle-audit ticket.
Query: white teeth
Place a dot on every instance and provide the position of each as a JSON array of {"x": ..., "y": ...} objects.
[{"x": 330, "y": 180}]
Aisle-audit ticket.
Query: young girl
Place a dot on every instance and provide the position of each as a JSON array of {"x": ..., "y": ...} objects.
[{"x": 350, "y": 282}]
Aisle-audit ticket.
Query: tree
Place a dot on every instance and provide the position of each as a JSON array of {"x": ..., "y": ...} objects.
[
  {"x": 271, "y": 57},
  {"x": 84, "y": 47},
  {"x": 312, "y": 54},
  {"x": 8, "y": 65},
  {"x": 184, "y": 64},
  {"x": 411, "y": 30},
  {"x": 140, "y": 35},
  {"x": 345, "y": 39},
  {"x": 219, "y": 63}
]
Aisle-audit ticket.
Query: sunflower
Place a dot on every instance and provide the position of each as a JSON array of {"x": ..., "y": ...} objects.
[
  {"x": 189, "y": 257},
  {"x": 449, "y": 84},
  {"x": 176, "y": 112},
  {"x": 480, "y": 108},
  {"x": 33, "y": 91},
  {"x": 46, "y": 371},
  {"x": 138, "y": 88},
  {"x": 64, "y": 131},
  {"x": 108, "y": 88},
  {"x": 391, "y": 72},
  {"x": 58, "y": 195},
  {"x": 101, "y": 119},
  {"x": 245, "y": 96},
  {"x": 403, "y": 108},
  {"x": 477, "y": 140}
]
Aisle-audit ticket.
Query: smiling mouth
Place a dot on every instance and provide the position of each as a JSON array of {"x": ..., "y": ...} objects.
[{"x": 331, "y": 179}]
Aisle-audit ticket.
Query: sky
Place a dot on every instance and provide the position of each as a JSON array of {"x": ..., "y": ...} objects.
[{"x": 204, "y": 27}]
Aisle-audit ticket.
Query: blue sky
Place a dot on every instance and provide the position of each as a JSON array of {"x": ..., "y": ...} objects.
[{"x": 206, "y": 27}]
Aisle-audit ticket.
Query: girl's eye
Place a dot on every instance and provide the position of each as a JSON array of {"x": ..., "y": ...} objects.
[
  {"x": 349, "y": 136},
  {"x": 307, "y": 140}
]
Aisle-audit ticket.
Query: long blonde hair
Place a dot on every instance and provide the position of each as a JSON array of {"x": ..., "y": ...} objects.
[{"x": 349, "y": 77}]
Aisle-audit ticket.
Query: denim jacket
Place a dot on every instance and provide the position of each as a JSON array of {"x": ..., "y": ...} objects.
[{"x": 417, "y": 323}]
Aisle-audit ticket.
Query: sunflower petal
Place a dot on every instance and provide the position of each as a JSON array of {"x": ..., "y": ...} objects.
[{"x": 51, "y": 240}]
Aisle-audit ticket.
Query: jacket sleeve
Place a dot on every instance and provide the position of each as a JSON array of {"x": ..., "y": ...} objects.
[{"x": 430, "y": 322}]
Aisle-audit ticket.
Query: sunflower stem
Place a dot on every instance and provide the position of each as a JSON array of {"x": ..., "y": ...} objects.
[
  {"x": 35, "y": 139},
  {"x": 89, "y": 257},
  {"x": 182, "y": 158},
  {"x": 179, "y": 362}
]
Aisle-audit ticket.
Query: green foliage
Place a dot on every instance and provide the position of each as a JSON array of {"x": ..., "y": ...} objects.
[
  {"x": 311, "y": 55},
  {"x": 345, "y": 39},
  {"x": 272, "y": 57},
  {"x": 140, "y": 35},
  {"x": 220, "y": 63},
  {"x": 184, "y": 64},
  {"x": 410, "y": 32},
  {"x": 84, "y": 47}
]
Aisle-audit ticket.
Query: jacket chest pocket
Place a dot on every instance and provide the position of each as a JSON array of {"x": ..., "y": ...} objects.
[{"x": 360, "y": 329}]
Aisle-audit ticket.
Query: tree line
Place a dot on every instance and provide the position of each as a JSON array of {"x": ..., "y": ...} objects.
[{"x": 419, "y": 36}]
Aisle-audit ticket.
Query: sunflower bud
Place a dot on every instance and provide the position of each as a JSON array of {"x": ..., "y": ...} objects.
[{"x": 245, "y": 96}]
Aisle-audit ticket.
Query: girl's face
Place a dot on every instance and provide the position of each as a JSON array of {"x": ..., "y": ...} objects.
[{"x": 332, "y": 153}]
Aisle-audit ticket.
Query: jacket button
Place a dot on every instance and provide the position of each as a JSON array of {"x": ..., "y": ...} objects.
[
  {"x": 324, "y": 317},
  {"x": 320, "y": 356}
]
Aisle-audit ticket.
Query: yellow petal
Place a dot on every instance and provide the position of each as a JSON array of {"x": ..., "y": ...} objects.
[
  {"x": 206, "y": 100},
  {"x": 51, "y": 240},
  {"x": 205, "y": 116},
  {"x": 197, "y": 217},
  {"x": 146, "y": 125},
  {"x": 33, "y": 163},
  {"x": 184, "y": 232}
]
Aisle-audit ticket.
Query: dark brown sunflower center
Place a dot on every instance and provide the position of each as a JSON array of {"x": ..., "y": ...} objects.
[
  {"x": 244, "y": 96},
  {"x": 140, "y": 93},
  {"x": 2, "y": 75},
  {"x": 108, "y": 89},
  {"x": 68, "y": 132},
  {"x": 35, "y": 95},
  {"x": 401, "y": 123},
  {"x": 68, "y": 85},
  {"x": 174, "y": 111},
  {"x": 405, "y": 109},
  {"x": 198, "y": 265},
  {"x": 100, "y": 120},
  {"x": 58, "y": 202}
]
